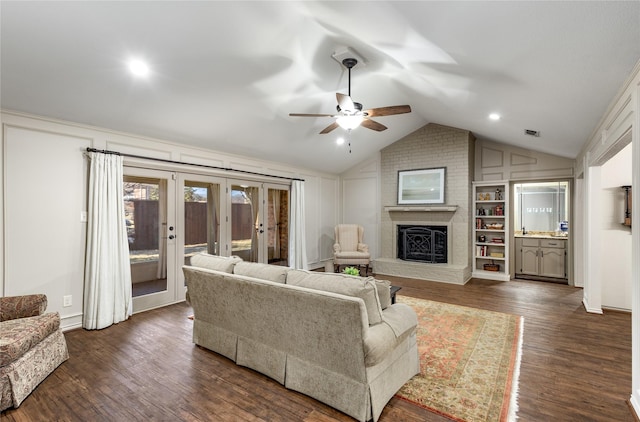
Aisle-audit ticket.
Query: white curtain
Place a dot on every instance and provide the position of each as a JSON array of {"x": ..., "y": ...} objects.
[
  {"x": 297, "y": 243},
  {"x": 213, "y": 201},
  {"x": 253, "y": 193},
  {"x": 275, "y": 204},
  {"x": 163, "y": 232},
  {"x": 107, "y": 284}
]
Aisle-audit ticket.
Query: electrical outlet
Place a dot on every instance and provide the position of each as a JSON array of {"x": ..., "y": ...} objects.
[
  {"x": 83, "y": 216},
  {"x": 67, "y": 301}
]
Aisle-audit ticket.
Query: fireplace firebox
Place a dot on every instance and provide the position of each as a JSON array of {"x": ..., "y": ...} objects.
[{"x": 422, "y": 243}]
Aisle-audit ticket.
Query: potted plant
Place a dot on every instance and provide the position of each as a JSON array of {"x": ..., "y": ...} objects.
[{"x": 351, "y": 271}]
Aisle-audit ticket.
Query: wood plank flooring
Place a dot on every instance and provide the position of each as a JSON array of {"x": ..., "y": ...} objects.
[{"x": 575, "y": 367}]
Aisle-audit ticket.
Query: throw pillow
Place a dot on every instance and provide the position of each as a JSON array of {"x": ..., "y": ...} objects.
[
  {"x": 275, "y": 273},
  {"x": 214, "y": 262},
  {"x": 384, "y": 292}
]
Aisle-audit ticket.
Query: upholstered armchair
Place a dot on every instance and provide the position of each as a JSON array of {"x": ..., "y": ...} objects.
[
  {"x": 31, "y": 346},
  {"x": 349, "y": 249}
]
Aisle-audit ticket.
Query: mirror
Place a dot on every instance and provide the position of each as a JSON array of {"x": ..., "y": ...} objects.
[{"x": 541, "y": 207}]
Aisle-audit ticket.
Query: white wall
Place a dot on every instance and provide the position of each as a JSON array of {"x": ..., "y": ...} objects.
[
  {"x": 620, "y": 122},
  {"x": 616, "y": 261},
  {"x": 44, "y": 236},
  {"x": 361, "y": 201},
  {"x": 44, "y": 190}
]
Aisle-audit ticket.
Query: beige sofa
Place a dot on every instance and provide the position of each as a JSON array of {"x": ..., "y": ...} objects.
[{"x": 333, "y": 337}]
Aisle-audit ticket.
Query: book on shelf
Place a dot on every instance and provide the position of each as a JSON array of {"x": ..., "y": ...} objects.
[{"x": 481, "y": 250}]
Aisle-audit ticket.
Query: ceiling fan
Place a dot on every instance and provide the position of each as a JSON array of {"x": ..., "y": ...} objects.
[{"x": 350, "y": 114}]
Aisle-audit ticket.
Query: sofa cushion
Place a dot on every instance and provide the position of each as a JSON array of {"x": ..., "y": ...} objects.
[
  {"x": 214, "y": 262},
  {"x": 20, "y": 335},
  {"x": 274, "y": 273},
  {"x": 362, "y": 287},
  {"x": 384, "y": 293}
]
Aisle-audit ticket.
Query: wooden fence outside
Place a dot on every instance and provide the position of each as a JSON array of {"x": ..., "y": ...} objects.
[{"x": 145, "y": 233}]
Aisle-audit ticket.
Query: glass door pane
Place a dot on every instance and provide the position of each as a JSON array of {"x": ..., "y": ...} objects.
[
  {"x": 277, "y": 220},
  {"x": 201, "y": 218},
  {"x": 150, "y": 229},
  {"x": 246, "y": 226}
]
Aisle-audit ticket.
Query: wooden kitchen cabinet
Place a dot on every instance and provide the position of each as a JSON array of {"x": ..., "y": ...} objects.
[{"x": 541, "y": 257}]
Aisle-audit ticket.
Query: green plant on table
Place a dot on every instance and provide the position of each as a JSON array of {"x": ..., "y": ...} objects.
[{"x": 351, "y": 271}]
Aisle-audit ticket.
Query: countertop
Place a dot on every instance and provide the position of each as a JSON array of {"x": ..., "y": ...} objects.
[{"x": 541, "y": 236}]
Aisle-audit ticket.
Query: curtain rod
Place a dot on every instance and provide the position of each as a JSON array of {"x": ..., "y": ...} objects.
[{"x": 104, "y": 151}]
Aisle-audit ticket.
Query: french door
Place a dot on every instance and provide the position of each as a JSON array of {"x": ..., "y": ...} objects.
[
  {"x": 149, "y": 201},
  {"x": 172, "y": 216},
  {"x": 276, "y": 218},
  {"x": 246, "y": 220},
  {"x": 201, "y": 219}
]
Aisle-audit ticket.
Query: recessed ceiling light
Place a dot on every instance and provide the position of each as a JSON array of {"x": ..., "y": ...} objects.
[
  {"x": 138, "y": 67},
  {"x": 340, "y": 141},
  {"x": 494, "y": 116}
]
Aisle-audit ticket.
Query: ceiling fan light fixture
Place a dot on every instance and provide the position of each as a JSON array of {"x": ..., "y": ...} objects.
[
  {"x": 349, "y": 122},
  {"x": 138, "y": 68}
]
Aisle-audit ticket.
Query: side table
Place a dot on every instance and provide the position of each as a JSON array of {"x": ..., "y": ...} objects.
[{"x": 394, "y": 290}]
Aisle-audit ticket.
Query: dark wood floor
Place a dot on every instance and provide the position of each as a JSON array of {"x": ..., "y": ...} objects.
[{"x": 575, "y": 367}]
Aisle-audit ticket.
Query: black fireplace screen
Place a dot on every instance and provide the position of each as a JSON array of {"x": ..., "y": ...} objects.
[{"x": 423, "y": 244}]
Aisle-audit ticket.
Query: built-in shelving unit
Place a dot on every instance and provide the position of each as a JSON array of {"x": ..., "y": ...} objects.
[{"x": 491, "y": 230}]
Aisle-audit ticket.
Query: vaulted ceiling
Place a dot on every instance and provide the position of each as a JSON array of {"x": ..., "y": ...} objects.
[{"x": 226, "y": 75}]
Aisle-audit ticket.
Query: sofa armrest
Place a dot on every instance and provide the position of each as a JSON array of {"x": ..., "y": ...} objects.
[
  {"x": 13, "y": 307},
  {"x": 336, "y": 247},
  {"x": 401, "y": 318}
]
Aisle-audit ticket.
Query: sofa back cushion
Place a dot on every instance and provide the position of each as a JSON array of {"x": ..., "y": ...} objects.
[
  {"x": 274, "y": 273},
  {"x": 214, "y": 262},
  {"x": 362, "y": 287}
]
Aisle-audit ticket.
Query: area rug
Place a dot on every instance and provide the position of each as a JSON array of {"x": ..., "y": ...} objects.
[{"x": 469, "y": 362}]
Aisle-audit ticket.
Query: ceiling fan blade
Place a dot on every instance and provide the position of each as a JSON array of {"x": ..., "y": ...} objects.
[
  {"x": 373, "y": 125},
  {"x": 345, "y": 102},
  {"x": 310, "y": 115},
  {"x": 388, "y": 111},
  {"x": 329, "y": 128}
]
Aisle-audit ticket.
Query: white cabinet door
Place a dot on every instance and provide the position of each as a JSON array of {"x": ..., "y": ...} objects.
[
  {"x": 529, "y": 260},
  {"x": 552, "y": 262}
]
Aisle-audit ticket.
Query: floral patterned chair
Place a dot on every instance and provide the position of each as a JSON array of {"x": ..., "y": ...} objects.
[{"x": 31, "y": 346}]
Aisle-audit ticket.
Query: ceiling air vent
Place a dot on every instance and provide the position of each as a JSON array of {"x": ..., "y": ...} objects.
[{"x": 532, "y": 132}]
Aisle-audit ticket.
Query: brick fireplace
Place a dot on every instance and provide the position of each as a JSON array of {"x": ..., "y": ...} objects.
[{"x": 431, "y": 146}]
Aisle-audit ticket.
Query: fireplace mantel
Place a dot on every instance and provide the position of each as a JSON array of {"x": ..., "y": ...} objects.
[{"x": 431, "y": 208}]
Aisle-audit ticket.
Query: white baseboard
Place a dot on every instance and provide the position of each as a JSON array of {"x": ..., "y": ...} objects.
[
  {"x": 589, "y": 309},
  {"x": 71, "y": 322}
]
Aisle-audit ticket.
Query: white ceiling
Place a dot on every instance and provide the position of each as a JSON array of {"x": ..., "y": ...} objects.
[{"x": 225, "y": 75}]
